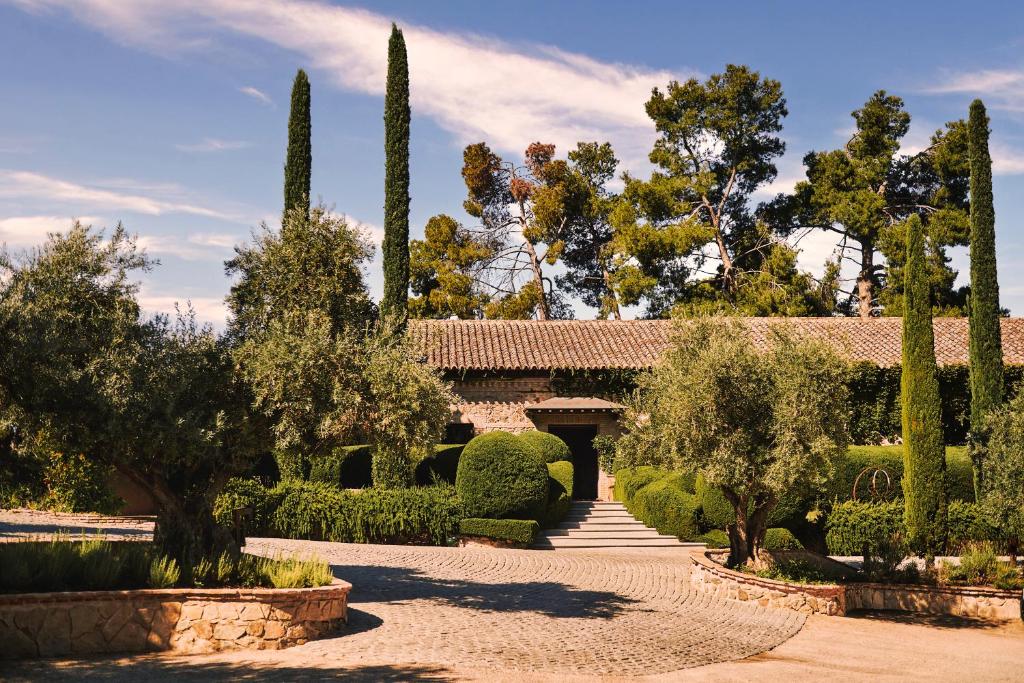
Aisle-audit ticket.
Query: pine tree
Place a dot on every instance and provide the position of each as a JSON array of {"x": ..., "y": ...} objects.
[
  {"x": 299, "y": 160},
  {"x": 396, "y": 179},
  {"x": 924, "y": 457},
  {"x": 986, "y": 350}
]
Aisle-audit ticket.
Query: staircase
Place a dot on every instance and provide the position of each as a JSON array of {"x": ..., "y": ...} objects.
[{"x": 595, "y": 524}]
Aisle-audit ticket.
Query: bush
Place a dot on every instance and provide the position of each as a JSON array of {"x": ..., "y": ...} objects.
[
  {"x": 548, "y": 447},
  {"x": 629, "y": 481},
  {"x": 666, "y": 505},
  {"x": 716, "y": 511},
  {"x": 441, "y": 465},
  {"x": 521, "y": 531},
  {"x": 560, "y": 476},
  {"x": 347, "y": 467},
  {"x": 968, "y": 523},
  {"x": 853, "y": 526},
  {"x": 500, "y": 477},
  {"x": 321, "y": 512},
  {"x": 64, "y": 565},
  {"x": 77, "y": 483},
  {"x": 778, "y": 538},
  {"x": 716, "y": 538},
  {"x": 245, "y": 493},
  {"x": 959, "y": 473}
]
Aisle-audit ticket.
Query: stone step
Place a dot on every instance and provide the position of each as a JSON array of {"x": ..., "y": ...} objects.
[
  {"x": 601, "y": 512},
  {"x": 563, "y": 542},
  {"x": 588, "y": 533}
]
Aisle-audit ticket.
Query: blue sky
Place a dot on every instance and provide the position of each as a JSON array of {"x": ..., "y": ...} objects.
[{"x": 170, "y": 115}]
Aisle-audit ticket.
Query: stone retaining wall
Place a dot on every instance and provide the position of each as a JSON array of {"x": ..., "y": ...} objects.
[
  {"x": 182, "y": 620},
  {"x": 988, "y": 604}
]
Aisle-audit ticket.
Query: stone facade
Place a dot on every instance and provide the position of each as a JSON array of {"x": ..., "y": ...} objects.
[
  {"x": 987, "y": 604},
  {"x": 184, "y": 621}
]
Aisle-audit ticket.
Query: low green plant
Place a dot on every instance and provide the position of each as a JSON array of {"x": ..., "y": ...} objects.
[
  {"x": 666, "y": 505},
  {"x": 560, "y": 476},
  {"x": 716, "y": 538},
  {"x": 297, "y": 573},
  {"x": 884, "y": 557},
  {"x": 853, "y": 526},
  {"x": 630, "y": 480},
  {"x": 980, "y": 565},
  {"x": 793, "y": 571},
  {"x": 163, "y": 573},
  {"x": 778, "y": 538},
  {"x": 520, "y": 531}
]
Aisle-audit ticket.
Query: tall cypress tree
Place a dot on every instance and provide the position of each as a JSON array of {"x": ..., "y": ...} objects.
[
  {"x": 298, "y": 163},
  {"x": 924, "y": 456},
  {"x": 396, "y": 179},
  {"x": 986, "y": 346}
]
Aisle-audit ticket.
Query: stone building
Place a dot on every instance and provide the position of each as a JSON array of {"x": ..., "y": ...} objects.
[{"x": 556, "y": 376}]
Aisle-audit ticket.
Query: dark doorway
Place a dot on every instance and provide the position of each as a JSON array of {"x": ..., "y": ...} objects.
[{"x": 580, "y": 439}]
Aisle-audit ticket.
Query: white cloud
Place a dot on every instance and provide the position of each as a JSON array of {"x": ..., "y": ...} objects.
[
  {"x": 1004, "y": 86},
  {"x": 208, "y": 309},
  {"x": 1006, "y": 161},
  {"x": 27, "y": 231},
  {"x": 27, "y": 184},
  {"x": 213, "y": 145},
  {"x": 476, "y": 87},
  {"x": 256, "y": 94},
  {"x": 195, "y": 247}
]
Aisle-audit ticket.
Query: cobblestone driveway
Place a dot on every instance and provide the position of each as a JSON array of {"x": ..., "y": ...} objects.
[{"x": 532, "y": 611}]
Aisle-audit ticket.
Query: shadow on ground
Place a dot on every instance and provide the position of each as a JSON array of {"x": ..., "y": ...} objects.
[
  {"x": 937, "y": 620},
  {"x": 154, "y": 669},
  {"x": 550, "y": 598}
]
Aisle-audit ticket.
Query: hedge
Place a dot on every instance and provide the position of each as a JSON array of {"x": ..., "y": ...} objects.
[
  {"x": 560, "y": 475},
  {"x": 666, "y": 505},
  {"x": 549, "y": 448},
  {"x": 777, "y": 538},
  {"x": 347, "y": 467},
  {"x": 959, "y": 474},
  {"x": 521, "y": 531},
  {"x": 441, "y": 464},
  {"x": 500, "y": 477},
  {"x": 322, "y": 512},
  {"x": 629, "y": 481}
]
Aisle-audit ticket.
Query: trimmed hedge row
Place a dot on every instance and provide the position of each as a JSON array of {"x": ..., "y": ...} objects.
[
  {"x": 560, "y": 475},
  {"x": 959, "y": 475},
  {"x": 666, "y": 505},
  {"x": 521, "y": 531},
  {"x": 441, "y": 465},
  {"x": 350, "y": 467},
  {"x": 322, "y": 512},
  {"x": 852, "y": 525}
]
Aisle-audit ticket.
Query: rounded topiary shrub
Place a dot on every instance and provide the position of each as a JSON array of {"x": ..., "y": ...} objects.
[
  {"x": 549, "y": 448},
  {"x": 500, "y": 477},
  {"x": 778, "y": 538}
]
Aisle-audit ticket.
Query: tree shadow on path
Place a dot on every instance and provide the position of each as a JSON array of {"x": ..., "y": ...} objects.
[{"x": 399, "y": 584}]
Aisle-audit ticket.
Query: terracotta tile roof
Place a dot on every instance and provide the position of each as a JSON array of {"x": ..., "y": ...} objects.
[
  {"x": 573, "y": 403},
  {"x": 637, "y": 344}
]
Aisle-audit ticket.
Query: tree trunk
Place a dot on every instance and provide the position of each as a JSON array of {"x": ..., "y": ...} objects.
[
  {"x": 746, "y": 534},
  {"x": 865, "y": 293},
  {"x": 543, "y": 311},
  {"x": 613, "y": 301}
]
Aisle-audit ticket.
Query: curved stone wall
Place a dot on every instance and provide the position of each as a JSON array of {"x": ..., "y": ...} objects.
[{"x": 182, "y": 620}]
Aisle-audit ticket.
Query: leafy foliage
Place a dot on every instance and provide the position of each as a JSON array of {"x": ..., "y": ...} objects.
[
  {"x": 499, "y": 476},
  {"x": 1004, "y": 470},
  {"x": 756, "y": 425},
  {"x": 560, "y": 475},
  {"x": 924, "y": 462},
  {"x": 777, "y": 538},
  {"x": 548, "y": 447}
]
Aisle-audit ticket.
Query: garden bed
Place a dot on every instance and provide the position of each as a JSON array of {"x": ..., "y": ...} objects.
[
  {"x": 181, "y": 620},
  {"x": 988, "y": 604}
]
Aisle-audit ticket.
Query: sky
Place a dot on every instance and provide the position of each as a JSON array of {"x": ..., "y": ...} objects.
[{"x": 171, "y": 115}]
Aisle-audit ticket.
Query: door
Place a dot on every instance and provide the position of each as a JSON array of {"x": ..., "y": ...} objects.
[{"x": 580, "y": 439}]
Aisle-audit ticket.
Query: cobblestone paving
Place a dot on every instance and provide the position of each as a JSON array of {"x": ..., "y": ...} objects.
[
  {"x": 18, "y": 525},
  {"x": 598, "y": 613}
]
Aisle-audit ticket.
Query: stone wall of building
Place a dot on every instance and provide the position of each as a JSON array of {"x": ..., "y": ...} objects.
[{"x": 185, "y": 621}]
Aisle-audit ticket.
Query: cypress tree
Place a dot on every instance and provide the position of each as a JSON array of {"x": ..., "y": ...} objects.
[
  {"x": 986, "y": 349},
  {"x": 298, "y": 163},
  {"x": 396, "y": 179},
  {"x": 924, "y": 457}
]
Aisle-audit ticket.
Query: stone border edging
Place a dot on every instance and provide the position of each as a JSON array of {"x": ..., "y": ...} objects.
[
  {"x": 183, "y": 620},
  {"x": 989, "y": 604}
]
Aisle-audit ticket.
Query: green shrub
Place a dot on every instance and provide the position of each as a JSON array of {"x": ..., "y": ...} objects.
[
  {"x": 64, "y": 565},
  {"x": 560, "y": 475},
  {"x": 716, "y": 511},
  {"x": 521, "y": 531},
  {"x": 441, "y": 465},
  {"x": 605, "y": 447},
  {"x": 968, "y": 522},
  {"x": 321, "y": 512},
  {"x": 347, "y": 467},
  {"x": 959, "y": 474},
  {"x": 777, "y": 538},
  {"x": 853, "y": 526},
  {"x": 665, "y": 505},
  {"x": 77, "y": 483},
  {"x": 245, "y": 493},
  {"x": 500, "y": 477},
  {"x": 163, "y": 573},
  {"x": 292, "y": 463},
  {"x": 548, "y": 447},
  {"x": 297, "y": 573},
  {"x": 629, "y": 481},
  {"x": 716, "y": 538}
]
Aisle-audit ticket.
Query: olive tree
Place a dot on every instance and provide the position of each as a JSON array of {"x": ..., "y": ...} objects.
[{"x": 755, "y": 423}]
